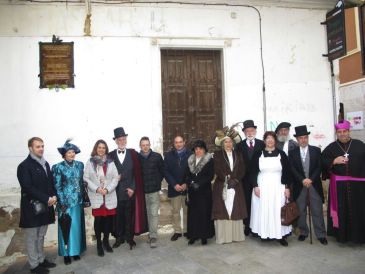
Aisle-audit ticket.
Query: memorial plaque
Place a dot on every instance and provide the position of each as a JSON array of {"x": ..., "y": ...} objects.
[{"x": 56, "y": 65}]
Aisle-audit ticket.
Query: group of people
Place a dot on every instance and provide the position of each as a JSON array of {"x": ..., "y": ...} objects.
[{"x": 236, "y": 191}]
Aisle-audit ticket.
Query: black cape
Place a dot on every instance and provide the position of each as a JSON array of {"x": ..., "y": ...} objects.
[{"x": 350, "y": 194}]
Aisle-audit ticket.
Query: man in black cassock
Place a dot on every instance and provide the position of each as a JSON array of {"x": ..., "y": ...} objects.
[{"x": 344, "y": 163}]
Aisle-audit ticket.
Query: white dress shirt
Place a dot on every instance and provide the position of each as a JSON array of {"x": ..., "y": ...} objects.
[{"x": 121, "y": 156}]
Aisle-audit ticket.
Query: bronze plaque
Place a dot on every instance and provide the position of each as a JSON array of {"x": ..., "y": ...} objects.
[{"x": 56, "y": 65}]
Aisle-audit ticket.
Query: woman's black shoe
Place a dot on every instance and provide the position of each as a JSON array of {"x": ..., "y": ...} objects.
[
  {"x": 67, "y": 260},
  {"x": 191, "y": 242},
  {"x": 100, "y": 249},
  {"x": 131, "y": 244},
  {"x": 76, "y": 258},
  {"x": 204, "y": 241},
  {"x": 283, "y": 242},
  {"x": 107, "y": 246},
  {"x": 118, "y": 242}
]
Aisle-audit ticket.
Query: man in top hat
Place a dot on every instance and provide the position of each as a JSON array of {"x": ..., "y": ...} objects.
[
  {"x": 305, "y": 162},
  {"x": 249, "y": 147},
  {"x": 131, "y": 204},
  {"x": 284, "y": 142},
  {"x": 344, "y": 163}
]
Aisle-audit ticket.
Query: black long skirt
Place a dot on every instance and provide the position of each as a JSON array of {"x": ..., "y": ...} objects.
[{"x": 200, "y": 223}]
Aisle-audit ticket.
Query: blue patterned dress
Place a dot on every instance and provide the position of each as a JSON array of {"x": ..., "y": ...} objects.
[{"x": 68, "y": 177}]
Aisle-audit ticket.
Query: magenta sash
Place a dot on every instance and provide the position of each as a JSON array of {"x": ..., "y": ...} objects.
[{"x": 333, "y": 194}]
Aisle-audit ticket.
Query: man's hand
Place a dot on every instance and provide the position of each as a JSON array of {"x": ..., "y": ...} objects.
[
  {"x": 340, "y": 160},
  {"x": 178, "y": 188},
  {"x": 307, "y": 182},
  {"x": 130, "y": 192},
  {"x": 183, "y": 187},
  {"x": 52, "y": 201},
  {"x": 257, "y": 191}
]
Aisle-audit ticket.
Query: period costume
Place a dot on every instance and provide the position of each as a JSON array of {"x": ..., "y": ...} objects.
[
  {"x": 229, "y": 206},
  {"x": 36, "y": 182},
  {"x": 152, "y": 168},
  {"x": 305, "y": 163},
  {"x": 131, "y": 216},
  {"x": 271, "y": 173},
  {"x": 68, "y": 180},
  {"x": 288, "y": 145},
  {"x": 175, "y": 165},
  {"x": 102, "y": 173},
  {"x": 249, "y": 150},
  {"x": 346, "y": 199},
  {"x": 199, "y": 178}
]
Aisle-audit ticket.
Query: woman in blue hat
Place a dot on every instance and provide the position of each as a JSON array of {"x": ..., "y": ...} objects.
[{"x": 68, "y": 178}]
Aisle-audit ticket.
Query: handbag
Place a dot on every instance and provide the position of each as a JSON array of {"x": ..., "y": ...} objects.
[
  {"x": 38, "y": 207},
  {"x": 289, "y": 213},
  {"x": 85, "y": 196}
]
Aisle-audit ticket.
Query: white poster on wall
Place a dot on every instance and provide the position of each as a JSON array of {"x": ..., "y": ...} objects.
[{"x": 356, "y": 119}]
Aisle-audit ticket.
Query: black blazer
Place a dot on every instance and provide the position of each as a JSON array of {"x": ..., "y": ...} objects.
[
  {"x": 298, "y": 171},
  {"x": 35, "y": 184},
  {"x": 248, "y": 157}
]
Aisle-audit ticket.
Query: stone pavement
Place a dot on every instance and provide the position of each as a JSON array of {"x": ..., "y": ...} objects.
[{"x": 250, "y": 256}]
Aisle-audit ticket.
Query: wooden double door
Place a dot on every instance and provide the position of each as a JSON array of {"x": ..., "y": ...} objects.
[{"x": 191, "y": 95}]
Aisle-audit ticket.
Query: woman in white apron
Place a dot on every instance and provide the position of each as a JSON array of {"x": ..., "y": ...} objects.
[{"x": 271, "y": 177}]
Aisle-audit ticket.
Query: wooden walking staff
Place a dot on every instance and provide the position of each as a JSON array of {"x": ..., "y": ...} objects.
[{"x": 310, "y": 215}]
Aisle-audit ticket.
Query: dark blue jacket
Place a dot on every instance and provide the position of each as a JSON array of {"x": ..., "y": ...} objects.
[
  {"x": 175, "y": 167},
  {"x": 35, "y": 184}
]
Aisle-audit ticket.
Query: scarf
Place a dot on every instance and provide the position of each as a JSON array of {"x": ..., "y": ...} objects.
[
  {"x": 194, "y": 167},
  {"x": 41, "y": 161}
]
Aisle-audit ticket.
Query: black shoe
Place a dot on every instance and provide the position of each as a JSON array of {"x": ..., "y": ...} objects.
[
  {"x": 185, "y": 235},
  {"x": 323, "y": 241},
  {"x": 47, "y": 264},
  {"x": 191, "y": 242},
  {"x": 67, "y": 260},
  {"x": 76, "y": 258},
  {"x": 39, "y": 270},
  {"x": 283, "y": 242},
  {"x": 175, "y": 236},
  {"x": 247, "y": 231},
  {"x": 107, "y": 246},
  {"x": 204, "y": 241},
  {"x": 118, "y": 242},
  {"x": 302, "y": 238},
  {"x": 132, "y": 244},
  {"x": 99, "y": 249}
]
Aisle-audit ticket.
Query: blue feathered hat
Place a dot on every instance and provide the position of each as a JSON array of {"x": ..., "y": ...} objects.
[{"x": 68, "y": 146}]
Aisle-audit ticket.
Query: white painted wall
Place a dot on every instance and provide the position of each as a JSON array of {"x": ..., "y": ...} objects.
[{"x": 118, "y": 72}]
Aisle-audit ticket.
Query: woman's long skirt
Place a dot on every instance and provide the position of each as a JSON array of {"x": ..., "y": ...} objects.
[{"x": 77, "y": 239}]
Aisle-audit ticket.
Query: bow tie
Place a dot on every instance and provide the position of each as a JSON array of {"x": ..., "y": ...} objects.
[{"x": 121, "y": 151}]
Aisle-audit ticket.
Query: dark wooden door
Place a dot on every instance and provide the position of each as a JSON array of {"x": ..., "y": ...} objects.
[{"x": 191, "y": 95}]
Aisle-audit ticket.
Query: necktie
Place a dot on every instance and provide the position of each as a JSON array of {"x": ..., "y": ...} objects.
[
  {"x": 251, "y": 145},
  {"x": 121, "y": 151},
  {"x": 303, "y": 155}
]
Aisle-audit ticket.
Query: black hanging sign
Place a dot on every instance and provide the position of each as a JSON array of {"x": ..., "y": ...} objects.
[{"x": 336, "y": 33}]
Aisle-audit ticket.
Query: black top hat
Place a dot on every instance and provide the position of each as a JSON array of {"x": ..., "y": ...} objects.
[
  {"x": 282, "y": 125},
  {"x": 119, "y": 132},
  {"x": 301, "y": 131},
  {"x": 248, "y": 124}
]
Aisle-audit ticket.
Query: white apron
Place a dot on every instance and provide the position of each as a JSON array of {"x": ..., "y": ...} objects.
[{"x": 266, "y": 210}]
